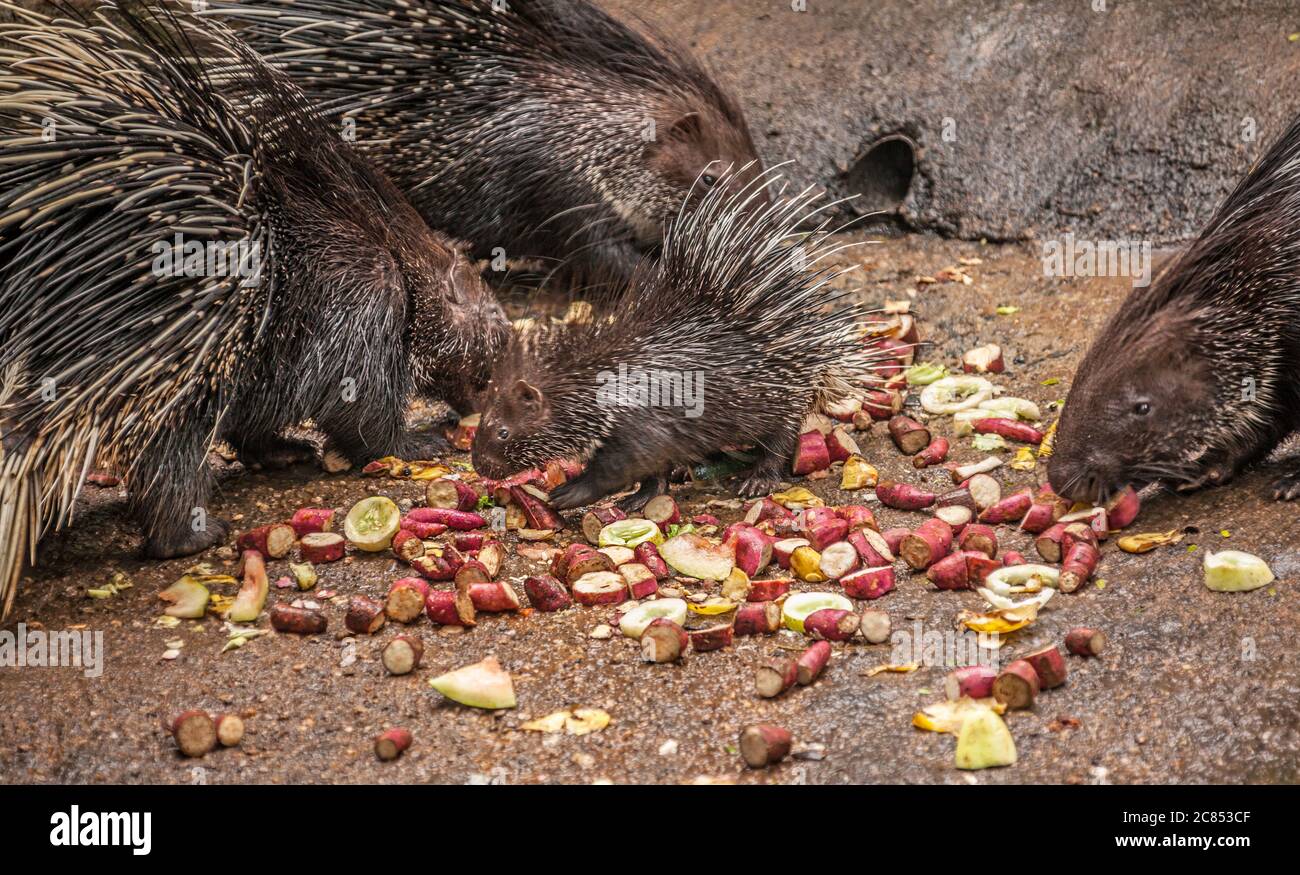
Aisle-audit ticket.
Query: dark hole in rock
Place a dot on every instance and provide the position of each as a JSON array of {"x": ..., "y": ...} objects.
[{"x": 882, "y": 176}]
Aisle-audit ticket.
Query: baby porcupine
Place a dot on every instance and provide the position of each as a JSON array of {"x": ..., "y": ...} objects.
[
  {"x": 547, "y": 128},
  {"x": 726, "y": 340},
  {"x": 1198, "y": 375},
  {"x": 315, "y": 291}
]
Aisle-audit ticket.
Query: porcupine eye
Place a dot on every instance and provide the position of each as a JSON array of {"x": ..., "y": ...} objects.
[
  {"x": 1142, "y": 408},
  {"x": 503, "y": 433},
  {"x": 708, "y": 179}
]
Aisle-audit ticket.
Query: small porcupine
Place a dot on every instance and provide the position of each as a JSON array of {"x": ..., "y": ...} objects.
[
  {"x": 547, "y": 128},
  {"x": 739, "y": 308},
  {"x": 315, "y": 291},
  {"x": 1198, "y": 375}
]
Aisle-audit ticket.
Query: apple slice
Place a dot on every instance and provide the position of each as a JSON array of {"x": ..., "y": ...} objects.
[
  {"x": 186, "y": 598},
  {"x": 481, "y": 685},
  {"x": 371, "y": 523},
  {"x": 1235, "y": 571},
  {"x": 985, "y": 742}
]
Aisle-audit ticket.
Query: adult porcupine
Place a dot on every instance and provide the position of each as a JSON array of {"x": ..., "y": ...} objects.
[
  {"x": 544, "y": 127},
  {"x": 319, "y": 292},
  {"x": 1198, "y": 375},
  {"x": 727, "y": 339}
]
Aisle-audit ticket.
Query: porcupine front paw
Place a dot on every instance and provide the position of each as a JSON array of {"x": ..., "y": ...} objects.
[
  {"x": 759, "y": 484},
  {"x": 186, "y": 541},
  {"x": 649, "y": 488},
  {"x": 1287, "y": 487},
  {"x": 576, "y": 493},
  {"x": 1215, "y": 475}
]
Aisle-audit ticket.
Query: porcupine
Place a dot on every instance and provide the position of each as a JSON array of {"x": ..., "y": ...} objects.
[
  {"x": 1198, "y": 375},
  {"x": 547, "y": 128},
  {"x": 738, "y": 305},
  {"x": 347, "y": 304}
]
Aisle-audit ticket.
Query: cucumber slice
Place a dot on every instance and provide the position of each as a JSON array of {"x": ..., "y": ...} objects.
[
  {"x": 1235, "y": 571},
  {"x": 371, "y": 523},
  {"x": 798, "y": 606},
  {"x": 951, "y": 394},
  {"x": 629, "y": 533},
  {"x": 635, "y": 620}
]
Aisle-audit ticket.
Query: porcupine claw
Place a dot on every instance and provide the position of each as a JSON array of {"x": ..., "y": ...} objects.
[
  {"x": 758, "y": 485},
  {"x": 1215, "y": 475},
  {"x": 1287, "y": 487}
]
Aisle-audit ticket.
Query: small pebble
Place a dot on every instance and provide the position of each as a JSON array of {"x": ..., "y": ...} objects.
[
  {"x": 602, "y": 632},
  {"x": 668, "y": 748}
]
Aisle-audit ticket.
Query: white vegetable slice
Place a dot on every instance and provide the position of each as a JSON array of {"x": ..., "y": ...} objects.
[
  {"x": 798, "y": 606},
  {"x": 1002, "y": 603},
  {"x": 371, "y": 523},
  {"x": 635, "y": 620},
  {"x": 1002, "y": 580},
  {"x": 1235, "y": 571},
  {"x": 1020, "y": 408},
  {"x": 951, "y": 394},
  {"x": 629, "y": 533}
]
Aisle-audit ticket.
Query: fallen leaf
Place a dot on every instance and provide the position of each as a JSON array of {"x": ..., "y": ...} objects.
[
  {"x": 1024, "y": 460},
  {"x": 1148, "y": 541},
  {"x": 797, "y": 498},
  {"x": 891, "y": 667}
]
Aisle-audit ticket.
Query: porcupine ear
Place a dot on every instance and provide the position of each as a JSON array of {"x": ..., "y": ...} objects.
[
  {"x": 529, "y": 398},
  {"x": 686, "y": 128}
]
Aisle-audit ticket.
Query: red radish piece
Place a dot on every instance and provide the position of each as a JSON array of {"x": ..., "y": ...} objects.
[
  {"x": 872, "y": 547},
  {"x": 818, "y": 422},
  {"x": 838, "y": 560},
  {"x": 959, "y": 497},
  {"x": 663, "y": 641},
  {"x": 812, "y": 454},
  {"x": 758, "y": 618},
  {"x": 641, "y": 582},
  {"x": 863, "y": 421},
  {"x": 869, "y": 583},
  {"x": 875, "y": 626},
  {"x": 434, "y": 567},
  {"x": 844, "y": 409},
  {"x": 882, "y": 403},
  {"x": 812, "y": 661},
  {"x": 195, "y": 733},
  {"x": 831, "y": 624},
  {"x": 956, "y": 516},
  {"x": 583, "y": 561},
  {"x": 894, "y": 539},
  {"x": 402, "y": 655},
  {"x": 753, "y": 550},
  {"x": 424, "y": 531},
  {"x": 706, "y": 519},
  {"x": 1049, "y": 665},
  {"x": 822, "y": 534},
  {"x": 785, "y": 548},
  {"x": 933, "y": 454},
  {"x": 985, "y": 359},
  {"x": 984, "y": 491},
  {"x": 662, "y": 511},
  {"x": 1048, "y": 544},
  {"x": 1085, "y": 642},
  {"x": 309, "y": 520},
  {"x": 468, "y": 542},
  {"x": 972, "y": 681},
  {"x": 1080, "y": 562},
  {"x": 537, "y": 511},
  {"x": 929, "y": 543},
  {"x": 407, "y": 545},
  {"x": 318, "y": 547},
  {"x": 1017, "y": 685},
  {"x": 768, "y": 590},
  {"x": 1040, "y": 517},
  {"x": 857, "y": 516},
  {"x": 1077, "y": 532},
  {"x": 492, "y": 556},
  {"x": 256, "y": 586},
  {"x": 713, "y": 637},
  {"x": 764, "y": 509},
  {"x": 1123, "y": 508},
  {"x": 470, "y": 572},
  {"x": 446, "y": 608},
  {"x": 1011, "y": 429},
  {"x": 814, "y": 515},
  {"x": 980, "y": 538},
  {"x": 597, "y": 518},
  {"x": 903, "y": 496},
  {"x": 600, "y": 588},
  {"x": 546, "y": 593},
  {"x": 979, "y": 566},
  {"x": 1009, "y": 509},
  {"x": 230, "y": 729},
  {"x": 950, "y": 572},
  {"x": 908, "y": 435},
  {"x": 762, "y": 745},
  {"x": 392, "y": 743},
  {"x": 450, "y": 494},
  {"x": 365, "y": 615},
  {"x": 273, "y": 541},
  {"x": 647, "y": 554},
  {"x": 460, "y": 520},
  {"x": 303, "y": 621},
  {"x": 405, "y": 599},
  {"x": 776, "y": 677},
  {"x": 1012, "y": 557},
  {"x": 840, "y": 444},
  {"x": 493, "y": 597}
]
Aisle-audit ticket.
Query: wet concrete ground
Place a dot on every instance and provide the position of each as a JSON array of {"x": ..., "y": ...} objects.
[{"x": 1195, "y": 687}]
